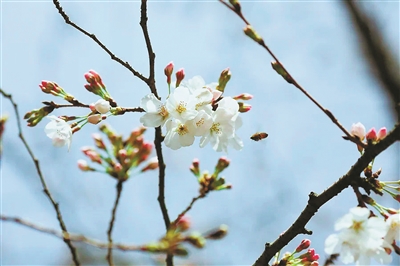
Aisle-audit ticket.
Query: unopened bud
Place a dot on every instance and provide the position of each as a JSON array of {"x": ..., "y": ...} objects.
[
  {"x": 92, "y": 154},
  {"x": 153, "y": 164},
  {"x": 243, "y": 96},
  {"x": 236, "y": 5},
  {"x": 180, "y": 251},
  {"x": 371, "y": 135},
  {"x": 305, "y": 244},
  {"x": 94, "y": 119},
  {"x": 249, "y": 31},
  {"x": 281, "y": 71},
  {"x": 381, "y": 133},
  {"x": 83, "y": 165},
  {"x": 184, "y": 223},
  {"x": 223, "y": 163},
  {"x": 98, "y": 140},
  {"x": 219, "y": 233},
  {"x": 244, "y": 107},
  {"x": 194, "y": 168},
  {"x": 223, "y": 79},
  {"x": 168, "y": 71},
  {"x": 180, "y": 75},
  {"x": 196, "y": 240},
  {"x": 102, "y": 106}
]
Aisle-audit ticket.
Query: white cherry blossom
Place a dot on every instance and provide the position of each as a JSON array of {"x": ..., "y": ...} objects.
[
  {"x": 181, "y": 104},
  {"x": 179, "y": 134},
  {"x": 156, "y": 112},
  {"x": 358, "y": 130},
  {"x": 360, "y": 238},
  {"x": 59, "y": 131},
  {"x": 393, "y": 233}
]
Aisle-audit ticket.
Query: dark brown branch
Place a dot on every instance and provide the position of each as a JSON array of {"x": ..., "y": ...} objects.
[
  {"x": 42, "y": 180},
  {"x": 316, "y": 201},
  {"x": 111, "y": 225},
  {"x": 71, "y": 236},
  {"x": 56, "y": 105},
  {"x": 96, "y": 40},
  {"x": 289, "y": 78},
  {"x": 380, "y": 58},
  {"x": 152, "y": 55}
]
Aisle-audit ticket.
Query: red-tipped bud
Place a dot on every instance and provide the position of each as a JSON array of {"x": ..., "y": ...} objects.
[
  {"x": 305, "y": 244},
  {"x": 180, "y": 75},
  {"x": 92, "y": 107},
  {"x": 51, "y": 88},
  {"x": 122, "y": 154},
  {"x": 184, "y": 223},
  {"x": 118, "y": 167},
  {"x": 243, "y": 96},
  {"x": 381, "y": 133},
  {"x": 314, "y": 263},
  {"x": 194, "y": 168},
  {"x": 168, "y": 71},
  {"x": 92, "y": 154},
  {"x": 243, "y": 107},
  {"x": 371, "y": 135},
  {"x": 223, "y": 163}
]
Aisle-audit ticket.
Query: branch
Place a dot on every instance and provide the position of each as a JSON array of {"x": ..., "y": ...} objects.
[
  {"x": 71, "y": 236},
  {"x": 96, "y": 40},
  {"x": 188, "y": 208},
  {"x": 42, "y": 180},
  {"x": 316, "y": 201},
  {"x": 380, "y": 59},
  {"x": 152, "y": 55},
  {"x": 289, "y": 78},
  {"x": 111, "y": 225}
]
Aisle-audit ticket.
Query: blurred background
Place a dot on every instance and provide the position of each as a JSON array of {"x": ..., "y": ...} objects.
[{"x": 271, "y": 179}]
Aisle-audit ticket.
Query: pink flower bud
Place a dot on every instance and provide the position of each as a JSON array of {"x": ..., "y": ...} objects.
[
  {"x": 153, "y": 164},
  {"x": 94, "y": 119},
  {"x": 118, "y": 167},
  {"x": 184, "y": 223},
  {"x": 83, "y": 165},
  {"x": 303, "y": 245},
  {"x": 180, "y": 75},
  {"x": 381, "y": 133},
  {"x": 243, "y": 107},
  {"x": 243, "y": 96},
  {"x": 168, "y": 71},
  {"x": 358, "y": 130},
  {"x": 371, "y": 135},
  {"x": 122, "y": 153},
  {"x": 314, "y": 263},
  {"x": 194, "y": 168},
  {"x": 92, "y": 154},
  {"x": 223, "y": 163}
]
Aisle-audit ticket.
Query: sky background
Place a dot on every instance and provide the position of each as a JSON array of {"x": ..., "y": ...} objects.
[{"x": 271, "y": 179}]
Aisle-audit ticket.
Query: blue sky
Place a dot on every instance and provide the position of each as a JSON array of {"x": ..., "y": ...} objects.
[{"x": 271, "y": 179}]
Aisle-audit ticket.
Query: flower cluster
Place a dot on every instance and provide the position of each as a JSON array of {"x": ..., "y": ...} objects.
[
  {"x": 195, "y": 109},
  {"x": 177, "y": 235},
  {"x": 358, "y": 130},
  {"x": 123, "y": 156},
  {"x": 308, "y": 258},
  {"x": 362, "y": 238}
]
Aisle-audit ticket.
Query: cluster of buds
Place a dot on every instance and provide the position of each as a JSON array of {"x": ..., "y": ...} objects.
[
  {"x": 371, "y": 137},
  {"x": 53, "y": 88},
  {"x": 177, "y": 235},
  {"x": 36, "y": 115},
  {"x": 243, "y": 107},
  {"x": 307, "y": 258},
  {"x": 180, "y": 75},
  {"x": 97, "y": 86},
  {"x": 211, "y": 182},
  {"x": 122, "y": 156}
]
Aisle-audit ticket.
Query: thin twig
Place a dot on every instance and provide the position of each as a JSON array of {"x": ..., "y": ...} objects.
[
  {"x": 152, "y": 55},
  {"x": 188, "y": 208},
  {"x": 71, "y": 236},
  {"x": 298, "y": 86},
  {"x": 96, "y": 40},
  {"x": 42, "y": 180},
  {"x": 360, "y": 200},
  {"x": 316, "y": 201},
  {"x": 111, "y": 225},
  {"x": 380, "y": 58}
]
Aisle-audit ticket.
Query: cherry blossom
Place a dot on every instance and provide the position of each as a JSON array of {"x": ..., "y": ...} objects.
[
  {"x": 59, "y": 131},
  {"x": 156, "y": 112}
]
